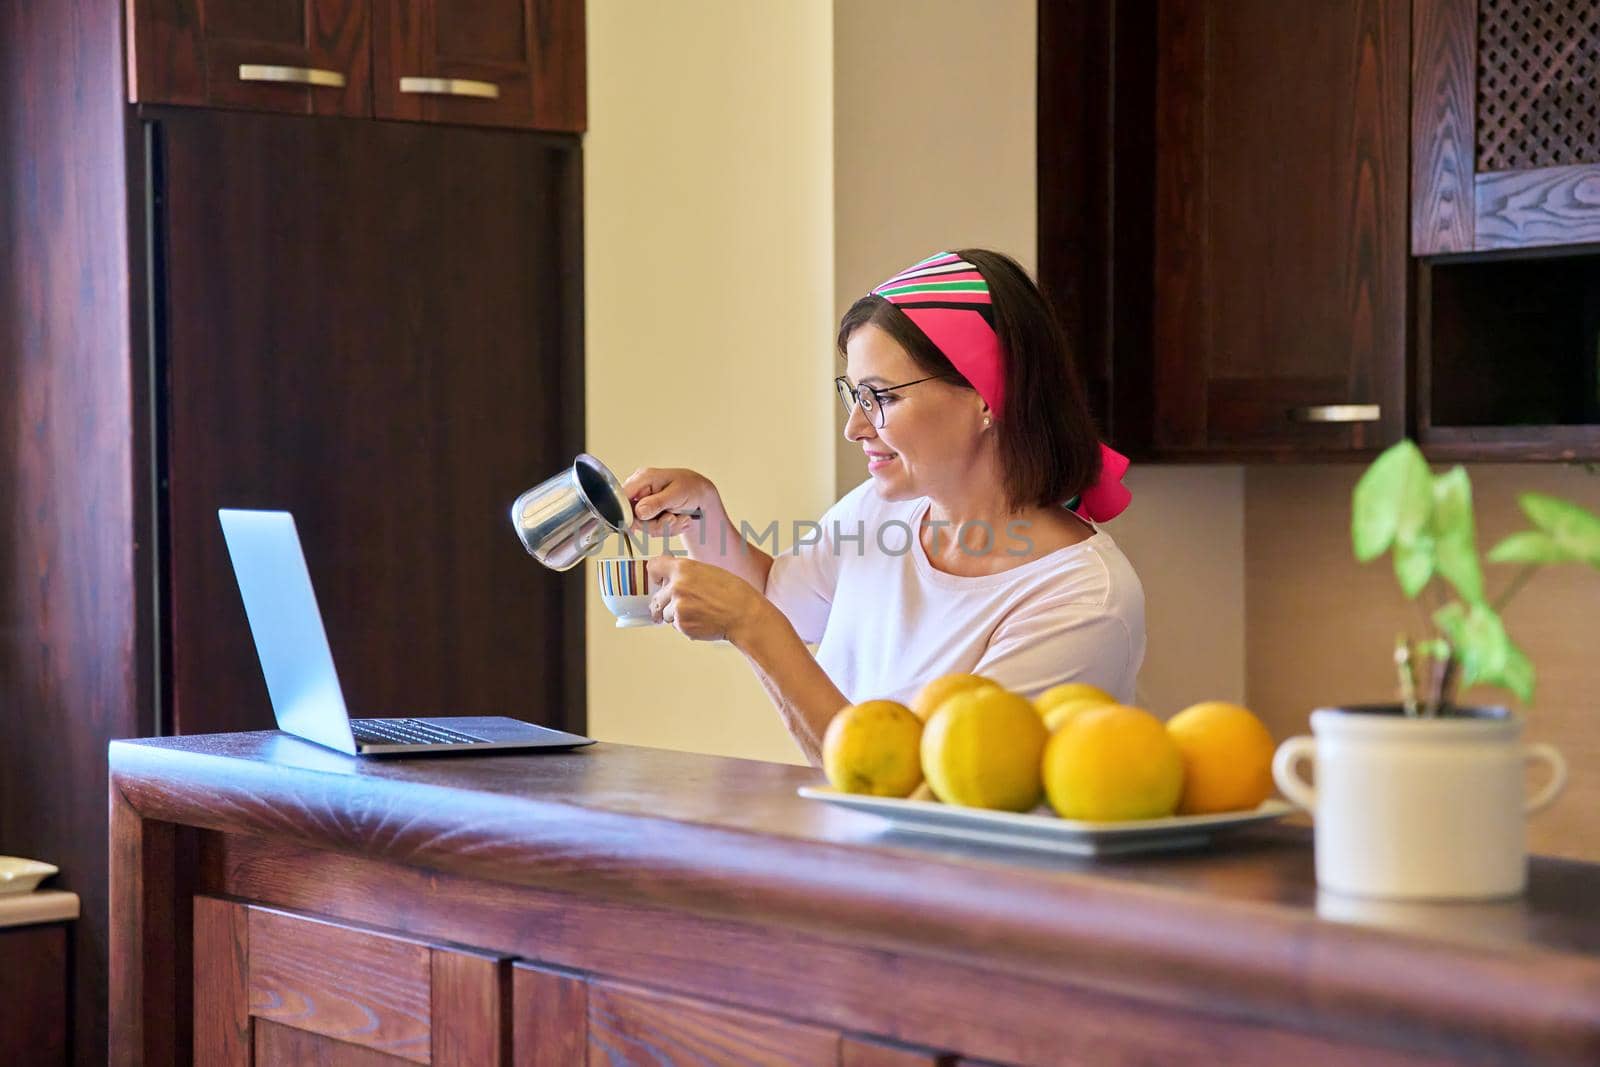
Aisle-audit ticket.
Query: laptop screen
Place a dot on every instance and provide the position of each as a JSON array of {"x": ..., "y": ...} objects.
[{"x": 287, "y": 626}]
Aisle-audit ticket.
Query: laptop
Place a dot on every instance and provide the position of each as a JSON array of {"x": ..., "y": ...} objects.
[{"x": 298, "y": 664}]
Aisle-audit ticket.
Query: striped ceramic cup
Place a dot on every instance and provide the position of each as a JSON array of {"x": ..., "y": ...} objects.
[{"x": 625, "y": 589}]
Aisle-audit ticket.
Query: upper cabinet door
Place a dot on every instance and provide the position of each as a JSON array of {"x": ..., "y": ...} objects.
[
  {"x": 1280, "y": 228},
  {"x": 1506, "y": 124},
  {"x": 481, "y": 62},
  {"x": 302, "y": 56}
]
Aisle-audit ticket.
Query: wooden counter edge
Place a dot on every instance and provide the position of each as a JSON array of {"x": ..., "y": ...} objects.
[{"x": 1271, "y": 966}]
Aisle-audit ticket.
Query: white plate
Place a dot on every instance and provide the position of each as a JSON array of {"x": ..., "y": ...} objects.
[
  {"x": 1044, "y": 831},
  {"x": 18, "y": 875}
]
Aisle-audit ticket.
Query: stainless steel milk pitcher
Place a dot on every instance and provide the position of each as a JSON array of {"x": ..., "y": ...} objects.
[{"x": 565, "y": 518}]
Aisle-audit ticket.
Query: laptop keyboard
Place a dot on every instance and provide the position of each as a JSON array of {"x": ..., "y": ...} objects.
[{"x": 407, "y": 732}]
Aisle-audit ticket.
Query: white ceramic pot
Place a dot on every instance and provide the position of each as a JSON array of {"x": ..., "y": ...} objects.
[{"x": 1418, "y": 809}]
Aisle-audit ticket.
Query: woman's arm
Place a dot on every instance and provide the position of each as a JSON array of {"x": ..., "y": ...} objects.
[
  {"x": 705, "y": 602},
  {"x": 664, "y": 497},
  {"x": 806, "y": 698}
]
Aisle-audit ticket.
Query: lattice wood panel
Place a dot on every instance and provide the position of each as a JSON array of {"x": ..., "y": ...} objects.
[{"x": 1538, "y": 83}]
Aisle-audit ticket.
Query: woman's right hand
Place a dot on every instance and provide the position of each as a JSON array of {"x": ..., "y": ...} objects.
[{"x": 657, "y": 492}]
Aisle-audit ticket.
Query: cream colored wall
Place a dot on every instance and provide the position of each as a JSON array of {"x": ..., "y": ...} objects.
[
  {"x": 709, "y": 298},
  {"x": 735, "y": 207},
  {"x": 933, "y": 105},
  {"x": 956, "y": 170}
]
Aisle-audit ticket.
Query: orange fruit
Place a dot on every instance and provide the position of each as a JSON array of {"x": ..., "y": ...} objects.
[
  {"x": 874, "y": 747},
  {"x": 1113, "y": 763},
  {"x": 982, "y": 749},
  {"x": 1227, "y": 758},
  {"x": 928, "y": 699},
  {"x": 1071, "y": 693},
  {"x": 1059, "y": 716}
]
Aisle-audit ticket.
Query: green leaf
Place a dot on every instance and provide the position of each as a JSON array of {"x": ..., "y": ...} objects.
[
  {"x": 1456, "y": 537},
  {"x": 1413, "y": 564},
  {"x": 1479, "y": 639},
  {"x": 1517, "y": 675},
  {"x": 1529, "y": 546},
  {"x": 1576, "y": 530},
  {"x": 1391, "y": 502}
]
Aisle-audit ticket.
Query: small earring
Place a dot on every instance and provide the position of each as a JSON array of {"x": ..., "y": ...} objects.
[{"x": 986, "y": 420}]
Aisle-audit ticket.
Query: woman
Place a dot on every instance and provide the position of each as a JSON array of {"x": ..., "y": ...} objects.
[{"x": 957, "y": 553}]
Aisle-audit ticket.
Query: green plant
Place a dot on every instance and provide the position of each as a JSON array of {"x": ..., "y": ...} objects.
[{"x": 1426, "y": 521}]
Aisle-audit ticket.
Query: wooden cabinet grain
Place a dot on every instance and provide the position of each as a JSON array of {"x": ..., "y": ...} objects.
[
  {"x": 1505, "y": 124},
  {"x": 1280, "y": 227},
  {"x": 562, "y": 1017},
  {"x": 301, "y": 56},
  {"x": 272, "y": 987},
  {"x": 480, "y": 62}
]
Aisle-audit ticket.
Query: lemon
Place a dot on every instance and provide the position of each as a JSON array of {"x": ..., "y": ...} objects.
[
  {"x": 982, "y": 749},
  {"x": 933, "y": 694},
  {"x": 873, "y": 747},
  {"x": 1227, "y": 758},
  {"x": 1060, "y": 714},
  {"x": 1114, "y": 763},
  {"x": 1071, "y": 693}
]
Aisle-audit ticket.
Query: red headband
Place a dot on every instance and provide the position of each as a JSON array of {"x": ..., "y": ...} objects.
[{"x": 948, "y": 300}]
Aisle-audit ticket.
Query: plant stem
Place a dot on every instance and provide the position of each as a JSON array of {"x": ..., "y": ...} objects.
[
  {"x": 1408, "y": 674},
  {"x": 1444, "y": 677},
  {"x": 1516, "y": 584}
]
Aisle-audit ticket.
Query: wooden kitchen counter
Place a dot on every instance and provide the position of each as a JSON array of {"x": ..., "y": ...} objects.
[{"x": 273, "y": 901}]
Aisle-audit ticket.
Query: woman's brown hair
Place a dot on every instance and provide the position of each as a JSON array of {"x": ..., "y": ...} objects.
[{"x": 1049, "y": 447}]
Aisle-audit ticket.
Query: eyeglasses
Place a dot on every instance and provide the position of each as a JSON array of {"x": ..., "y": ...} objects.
[{"x": 872, "y": 400}]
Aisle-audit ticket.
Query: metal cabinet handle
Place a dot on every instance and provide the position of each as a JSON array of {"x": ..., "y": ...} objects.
[
  {"x": 1337, "y": 413},
  {"x": 260, "y": 72},
  {"x": 450, "y": 87}
]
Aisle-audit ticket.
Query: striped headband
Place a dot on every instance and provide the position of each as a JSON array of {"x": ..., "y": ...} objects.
[{"x": 948, "y": 300}]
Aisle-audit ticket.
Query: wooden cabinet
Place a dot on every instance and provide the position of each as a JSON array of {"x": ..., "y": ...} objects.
[
  {"x": 561, "y": 1018},
  {"x": 272, "y": 987},
  {"x": 1505, "y": 124},
  {"x": 478, "y": 62},
  {"x": 483, "y": 62},
  {"x": 304, "y": 56},
  {"x": 1280, "y": 226},
  {"x": 1223, "y": 215}
]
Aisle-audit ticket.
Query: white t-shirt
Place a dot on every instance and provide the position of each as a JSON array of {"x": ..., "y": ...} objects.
[{"x": 886, "y": 622}]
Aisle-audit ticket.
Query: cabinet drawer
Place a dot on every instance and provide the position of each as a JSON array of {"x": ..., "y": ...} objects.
[
  {"x": 276, "y": 987},
  {"x": 480, "y": 62},
  {"x": 308, "y": 57}
]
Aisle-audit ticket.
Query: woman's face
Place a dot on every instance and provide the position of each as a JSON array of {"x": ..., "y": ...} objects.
[{"x": 932, "y": 433}]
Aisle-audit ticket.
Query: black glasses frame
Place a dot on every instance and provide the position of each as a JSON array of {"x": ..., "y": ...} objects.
[{"x": 870, "y": 398}]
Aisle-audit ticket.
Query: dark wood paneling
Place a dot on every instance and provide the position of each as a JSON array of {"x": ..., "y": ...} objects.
[
  {"x": 1183, "y": 263},
  {"x": 68, "y": 586},
  {"x": 532, "y": 51},
  {"x": 1529, "y": 208},
  {"x": 1281, "y": 214},
  {"x": 1444, "y": 37},
  {"x": 636, "y": 1026},
  {"x": 33, "y": 993},
  {"x": 277, "y": 1045},
  {"x": 373, "y": 326},
  {"x": 550, "y": 1026},
  {"x": 1096, "y": 110},
  {"x": 351, "y": 985},
  {"x": 221, "y": 983},
  {"x": 471, "y": 1009},
  {"x": 189, "y": 52}
]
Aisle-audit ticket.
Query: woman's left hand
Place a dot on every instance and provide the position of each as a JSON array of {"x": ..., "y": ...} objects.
[{"x": 701, "y": 600}]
